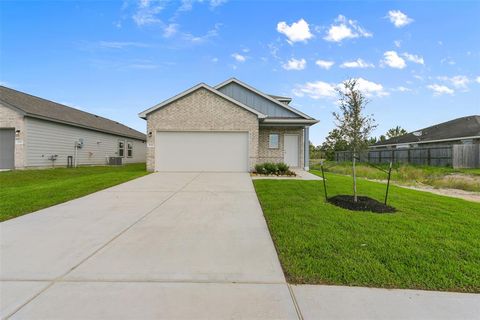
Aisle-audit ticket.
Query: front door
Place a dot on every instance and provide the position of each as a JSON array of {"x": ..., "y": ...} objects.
[
  {"x": 291, "y": 149},
  {"x": 7, "y": 148}
]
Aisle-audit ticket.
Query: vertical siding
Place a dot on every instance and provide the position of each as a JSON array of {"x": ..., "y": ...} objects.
[
  {"x": 45, "y": 138},
  {"x": 256, "y": 101}
]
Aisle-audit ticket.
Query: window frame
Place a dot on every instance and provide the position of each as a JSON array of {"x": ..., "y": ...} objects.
[
  {"x": 121, "y": 148},
  {"x": 129, "y": 149},
  {"x": 270, "y": 140}
]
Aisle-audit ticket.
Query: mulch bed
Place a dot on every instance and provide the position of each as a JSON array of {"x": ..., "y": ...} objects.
[{"x": 363, "y": 204}]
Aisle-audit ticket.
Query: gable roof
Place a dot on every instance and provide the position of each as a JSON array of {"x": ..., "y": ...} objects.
[
  {"x": 144, "y": 113},
  {"x": 283, "y": 99},
  {"x": 37, "y": 107},
  {"x": 266, "y": 96},
  {"x": 460, "y": 128}
]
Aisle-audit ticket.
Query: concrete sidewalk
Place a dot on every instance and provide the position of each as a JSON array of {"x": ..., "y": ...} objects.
[{"x": 177, "y": 245}]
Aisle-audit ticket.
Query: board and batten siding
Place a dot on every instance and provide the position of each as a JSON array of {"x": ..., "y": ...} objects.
[
  {"x": 255, "y": 101},
  {"x": 46, "y": 138}
]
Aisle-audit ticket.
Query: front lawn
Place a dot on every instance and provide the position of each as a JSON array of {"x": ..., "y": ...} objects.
[
  {"x": 25, "y": 191},
  {"x": 431, "y": 243}
]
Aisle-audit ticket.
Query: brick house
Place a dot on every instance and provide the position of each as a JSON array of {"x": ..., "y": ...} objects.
[{"x": 229, "y": 127}]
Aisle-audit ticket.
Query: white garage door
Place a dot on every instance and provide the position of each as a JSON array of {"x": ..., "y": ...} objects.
[{"x": 201, "y": 151}]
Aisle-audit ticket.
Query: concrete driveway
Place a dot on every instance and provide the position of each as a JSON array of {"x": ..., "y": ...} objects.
[{"x": 168, "y": 245}]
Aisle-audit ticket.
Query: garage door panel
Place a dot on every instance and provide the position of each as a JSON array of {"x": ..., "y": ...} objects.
[{"x": 201, "y": 151}]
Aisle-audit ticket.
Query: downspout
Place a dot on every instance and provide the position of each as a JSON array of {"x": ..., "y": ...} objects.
[{"x": 306, "y": 149}]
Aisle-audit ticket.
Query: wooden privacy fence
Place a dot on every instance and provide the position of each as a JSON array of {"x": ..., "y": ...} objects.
[{"x": 458, "y": 156}]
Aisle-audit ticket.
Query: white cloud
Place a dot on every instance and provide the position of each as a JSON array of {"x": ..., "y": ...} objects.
[
  {"x": 440, "y": 89},
  {"x": 448, "y": 60},
  {"x": 214, "y": 60},
  {"x": 359, "y": 63},
  {"x": 295, "y": 64},
  {"x": 345, "y": 29},
  {"x": 478, "y": 79},
  {"x": 322, "y": 90},
  {"x": 414, "y": 58},
  {"x": 203, "y": 38},
  {"x": 316, "y": 90},
  {"x": 370, "y": 88},
  {"x": 238, "y": 57},
  {"x": 297, "y": 32},
  {"x": 147, "y": 12},
  {"x": 121, "y": 44},
  {"x": 397, "y": 43},
  {"x": 459, "y": 82},
  {"x": 324, "y": 64},
  {"x": 187, "y": 5},
  {"x": 170, "y": 30},
  {"x": 402, "y": 89},
  {"x": 398, "y": 18},
  {"x": 393, "y": 60}
]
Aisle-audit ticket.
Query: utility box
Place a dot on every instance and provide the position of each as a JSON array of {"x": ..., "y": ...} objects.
[{"x": 115, "y": 161}]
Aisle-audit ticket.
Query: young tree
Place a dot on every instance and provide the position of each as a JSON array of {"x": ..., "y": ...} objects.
[
  {"x": 334, "y": 142},
  {"x": 396, "y": 132},
  {"x": 352, "y": 123}
]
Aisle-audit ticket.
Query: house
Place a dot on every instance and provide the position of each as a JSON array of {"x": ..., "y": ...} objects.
[
  {"x": 35, "y": 132},
  {"x": 229, "y": 127},
  {"x": 465, "y": 130}
]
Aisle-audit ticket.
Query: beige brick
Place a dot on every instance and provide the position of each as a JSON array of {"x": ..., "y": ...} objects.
[
  {"x": 202, "y": 110},
  {"x": 276, "y": 155}
]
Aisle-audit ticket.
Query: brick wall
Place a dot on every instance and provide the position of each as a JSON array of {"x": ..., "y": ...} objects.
[
  {"x": 201, "y": 110},
  {"x": 276, "y": 155},
  {"x": 10, "y": 118}
]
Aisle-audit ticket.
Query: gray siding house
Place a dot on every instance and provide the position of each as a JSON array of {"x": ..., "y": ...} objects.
[
  {"x": 35, "y": 132},
  {"x": 228, "y": 127}
]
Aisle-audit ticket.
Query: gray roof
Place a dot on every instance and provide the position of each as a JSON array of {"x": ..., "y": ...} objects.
[
  {"x": 49, "y": 110},
  {"x": 451, "y": 130}
]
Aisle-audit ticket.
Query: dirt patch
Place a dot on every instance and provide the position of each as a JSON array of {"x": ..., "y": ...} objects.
[{"x": 362, "y": 204}]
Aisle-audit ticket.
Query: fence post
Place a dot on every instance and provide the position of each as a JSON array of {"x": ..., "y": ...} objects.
[
  {"x": 380, "y": 156},
  {"x": 409, "y": 161},
  {"x": 428, "y": 156},
  {"x": 393, "y": 155}
]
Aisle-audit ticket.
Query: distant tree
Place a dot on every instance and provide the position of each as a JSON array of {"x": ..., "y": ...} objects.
[
  {"x": 382, "y": 138},
  {"x": 372, "y": 140},
  {"x": 354, "y": 126},
  {"x": 315, "y": 151},
  {"x": 335, "y": 141},
  {"x": 396, "y": 132}
]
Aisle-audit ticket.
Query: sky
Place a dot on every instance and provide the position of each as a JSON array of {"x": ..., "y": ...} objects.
[{"x": 418, "y": 62}]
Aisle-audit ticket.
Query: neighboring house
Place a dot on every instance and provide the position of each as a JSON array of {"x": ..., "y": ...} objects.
[
  {"x": 35, "y": 132},
  {"x": 229, "y": 127},
  {"x": 465, "y": 130}
]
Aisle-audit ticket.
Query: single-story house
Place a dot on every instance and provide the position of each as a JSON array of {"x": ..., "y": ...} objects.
[
  {"x": 35, "y": 132},
  {"x": 229, "y": 127},
  {"x": 465, "y": 130}
]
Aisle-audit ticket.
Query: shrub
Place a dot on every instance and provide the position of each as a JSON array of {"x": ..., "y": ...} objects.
[
  {"x": 271, "y": 168},
  {"x": 283, "y": 168},
  {"x": 260, "y": 168}
]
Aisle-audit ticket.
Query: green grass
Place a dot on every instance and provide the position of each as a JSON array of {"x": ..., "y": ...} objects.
[
  {"x": 25, "y": 191},
  {"x": 431, "y": 243},
  {"x": 438, "y": 177}
]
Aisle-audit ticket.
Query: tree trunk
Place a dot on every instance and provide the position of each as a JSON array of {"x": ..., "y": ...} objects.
[{"x": 354, "y": 179}]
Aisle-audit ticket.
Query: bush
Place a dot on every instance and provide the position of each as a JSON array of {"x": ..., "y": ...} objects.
[
  {"x": 260, "y": 168},
  {"x": 283, "y": 168},
  {"x": 271, "y": 168}
]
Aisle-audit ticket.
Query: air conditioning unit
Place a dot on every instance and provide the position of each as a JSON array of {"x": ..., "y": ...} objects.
[{"x": 115, "y": 161}]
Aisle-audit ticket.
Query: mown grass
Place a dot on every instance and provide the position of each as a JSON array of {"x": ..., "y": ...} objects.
[
  {"x": 431, "y": 243},
  {"x": 25, "y": 191},
  {"x": 438, "y": 177}
]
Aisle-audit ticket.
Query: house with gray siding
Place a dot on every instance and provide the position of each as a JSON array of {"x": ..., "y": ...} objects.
[
  {"x": 228, "y": 127},
  {"x": 36, "y": 133}
]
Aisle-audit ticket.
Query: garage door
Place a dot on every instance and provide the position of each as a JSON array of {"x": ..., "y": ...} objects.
[
  {"x": 7, "y": 148},
  {"x": 201, "y": 151}
]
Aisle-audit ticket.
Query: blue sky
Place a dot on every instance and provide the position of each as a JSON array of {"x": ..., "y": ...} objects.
[{"x": 419, "y": 62}]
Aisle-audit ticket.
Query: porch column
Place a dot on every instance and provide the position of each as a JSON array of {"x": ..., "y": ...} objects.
[{"x": 306, "y": 149}]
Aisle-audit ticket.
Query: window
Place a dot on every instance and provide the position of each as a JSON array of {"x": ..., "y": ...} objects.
[
  {"x": 121, "y": 148},
  {"x": 129, "y": 149},
  {"x": 273, "y": 141}
]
